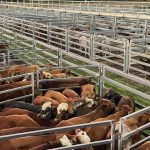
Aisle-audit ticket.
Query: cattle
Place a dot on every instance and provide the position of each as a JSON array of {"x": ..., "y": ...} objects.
[
  {"x": 60, "y": 98},
  {"x": 112, "y": 95},
  {"x": 88, "y": 94},
  {"x": 126, "y": 100},
  {"x": 32, "y": 115},
  {"x": 17, "y": 121},
  {"x": 70, "y": 94},
  {"x": 19, "y": 130},
  {"x": 25, "y": 142},
  {"x": 85, "y": 44},
  {"x": 105, "y": 108},
  {"x": 47, "y": 111},
  {"x": 92, "y": 134},
  {"x": 40, "y": 100},
  {"x": 17, "y": 70},
  {"x": 130, "y": 124},
  {"x": 145, "y": 146},
  {"x": 23, "y": 105}
]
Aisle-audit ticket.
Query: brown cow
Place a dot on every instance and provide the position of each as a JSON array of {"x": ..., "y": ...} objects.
[
  {"x": 60, "y": 98},
  {"x": 88, "y": 91},
  {"x": 145, "y": 146},
  {"x": 40, "y": 100},
  {"x": 126, "y": 100},
  {"x": 70, "y": 94},
  {"x": 25, "y": 143},
  {"x": 32, "y": 115},
  {"x": 99, "y": 132},
  {"x": 17, "y": 121},
  {"x": 19, "y": 130}
]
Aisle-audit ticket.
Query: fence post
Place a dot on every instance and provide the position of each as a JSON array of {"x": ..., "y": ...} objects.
[
  {"x": 114, "y": 26},
  {"x": 66, "y": 40},
  {"x": 48, "y": 28},
  {"x": 120, "y": 137},
  {"x": 92, "y": 51},
  {"x": 59, "y": 58},
  {"x": 34, "y": 45},
  {"x": 101, "y": 79},
  {"x": 32, "y": 79},
  {"x": 127, "y": 56}
]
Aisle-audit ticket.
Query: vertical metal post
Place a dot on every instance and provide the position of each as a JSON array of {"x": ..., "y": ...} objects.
[
  {"x": 34, "y": 45},
  {"x": 126, "y": 56},
  {"x": 114, "y": 26},
  {"x": 38, "y": 82},
  {"x": 92, "y": 24},
  {"x": 113, "y": 135},
  {"x": 32, "y": 78},
  {"x": 66, "y": 40},
  {"x": 48, "y": 33},
  {"x": 121, "y": 132},
  {"x": 101, "y": 79},
  {"x": 145, "y": 30},
  {"x": 92, "y": 50},
  {"x": 59, "y": 58},
  {"x": 59, "y": 19}
]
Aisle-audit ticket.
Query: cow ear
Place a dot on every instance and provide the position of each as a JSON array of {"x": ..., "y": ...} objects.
[{"x": 77, "y": 131}]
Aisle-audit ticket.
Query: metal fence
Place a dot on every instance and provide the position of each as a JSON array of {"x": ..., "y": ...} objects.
[
  {"x": 68, "y": 128},
  {"x": 118, "y": 53},
  {"x": 124, "y": 135},
  {"x": 9, "y": 90}
]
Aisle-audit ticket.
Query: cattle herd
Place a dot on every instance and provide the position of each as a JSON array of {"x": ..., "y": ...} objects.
[{"x": 63, "y": 107}]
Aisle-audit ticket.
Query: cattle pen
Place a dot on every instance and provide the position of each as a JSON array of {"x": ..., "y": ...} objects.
[{"x": 110, "y": 47}]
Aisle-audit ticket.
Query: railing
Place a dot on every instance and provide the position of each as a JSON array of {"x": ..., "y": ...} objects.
[
  {"x": 8, "y": 90},
  {"x": 77, "y": 70},
  {"x": 68, "y": 128},
  {"x": 124, "y": 136},
  {"x": 118, "y": 53}
]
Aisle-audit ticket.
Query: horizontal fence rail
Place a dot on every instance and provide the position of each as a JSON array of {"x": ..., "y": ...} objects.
[{"x": 11, "y": 89}]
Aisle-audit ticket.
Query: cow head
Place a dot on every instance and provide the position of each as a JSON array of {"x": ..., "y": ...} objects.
[
  {"x": 47, "y": 75},
  {"x": 62, "y": 112},
  {"x": 107, "y": 106},
  {"x": 112, "y": 95},
  {"x": 65, "y": 141},
  {"x": 126, "y": 109},
  {"x": 82, "y": 137},
  {"x": 88, "y": 91},
  {"x": 46, "y": 111}
]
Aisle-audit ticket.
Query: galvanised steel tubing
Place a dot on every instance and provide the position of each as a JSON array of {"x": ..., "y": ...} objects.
[
  {"x": 140, "y": 142},
  {"x": 87, "y": 60},
  {"x": 121, "y": 139},
  {"x": 60, "y": 129},
  {"x": 17, "y": 98},
  {"x": 132, "y": 78},
  {"x": 63, "y": 79},
  {"x": 129, "y": 134},
  {"x": 96, "y": 13}
]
